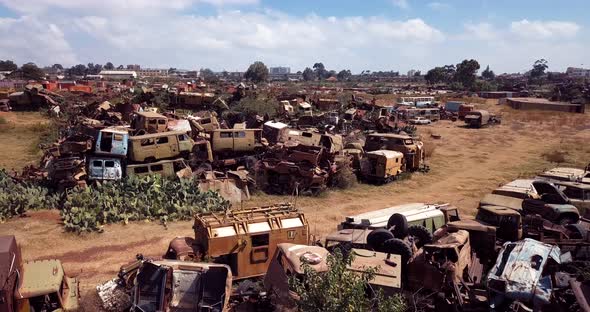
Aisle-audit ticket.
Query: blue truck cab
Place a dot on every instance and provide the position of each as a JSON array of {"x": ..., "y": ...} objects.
[{"x": 112, "y": 141}]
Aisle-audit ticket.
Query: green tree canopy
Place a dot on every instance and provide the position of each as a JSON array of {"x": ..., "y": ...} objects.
[
  {"x": 466, "y": 73},
  {"x": 344, "y": 74},
  {"x": 257, "y": 72},
  {"x": 31, "y": 71},
  {"x": 8, "y": 65},
  {"x": 488, "y": 74},
  {"x": 539, "y": 68},
  {"x": 308, "y": 74}
]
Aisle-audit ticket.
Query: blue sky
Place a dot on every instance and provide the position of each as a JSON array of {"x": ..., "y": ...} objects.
[{"x": 357, "y": 35}]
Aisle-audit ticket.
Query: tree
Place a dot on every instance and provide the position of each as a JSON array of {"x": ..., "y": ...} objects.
[
  {"x": 340, "y": 289},
  {"x": 121, "y": 67},
  {"x": 208, "y": 75},
  {"x": 344, "y": 75},
  {"x": 93, "y": 69},
  {"x": 442, "y": 74},
  {"x": 320, "y": 70},
  {"x": 539, "y": 69},
  {"x": 465, "y": 73},
  {"x": 57, "y": 67},
  {"x": 109, "y": 66},
  {"x": 488, "y": 74},
  {"x": 417, "y": 73},
  {"x": 308, "y": 74},
  {"x": 31, "y": 71},
  {"x": 8, "y": 65},
  {"x": 77, "y": 70},
  {"x": 257, "y": 72}
]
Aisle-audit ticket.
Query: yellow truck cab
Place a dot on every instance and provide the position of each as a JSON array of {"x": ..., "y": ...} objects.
[
  {"x": 156, "y": 146},
  {"x": 236, "y": 140},
  {"x": 45, "y": 287},
  {"x": 150, "y": 122}
]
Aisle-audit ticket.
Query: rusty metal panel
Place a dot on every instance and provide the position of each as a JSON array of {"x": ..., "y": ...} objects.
[{"x": 517, "y": 273}]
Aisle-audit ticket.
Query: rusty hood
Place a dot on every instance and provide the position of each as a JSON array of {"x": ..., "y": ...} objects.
[{"x": 518, "y": 272}]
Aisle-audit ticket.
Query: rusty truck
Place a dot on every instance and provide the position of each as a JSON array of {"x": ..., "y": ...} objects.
[{"x": 243, "y": 239}]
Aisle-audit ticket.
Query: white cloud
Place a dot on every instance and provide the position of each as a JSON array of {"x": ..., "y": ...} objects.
[
  {"x": 28, "y": 39},
  {"x": 402, "y": 4},
  {"x": 544, "y": 29},
  {"x": 125, "y": 7},
  {"x": 68, "y": 32},
  {"x": 480, "y": 31},
  {"x": 439, "y": 6}
]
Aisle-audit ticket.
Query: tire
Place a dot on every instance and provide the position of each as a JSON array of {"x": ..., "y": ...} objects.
[
  {"x": 565, "y": 220},
  {"x": 397, "y": 246},
  {"x": 377, "y": 237},
  {"x": 399, "y": 224},
  {"x": 578, "y": 231},
  {"x": 420, "y": 234}
]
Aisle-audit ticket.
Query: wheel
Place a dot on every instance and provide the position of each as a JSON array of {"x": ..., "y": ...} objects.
[
  {"x": 578, "y": 231},
  {"x": 399, "y": 224},
  {"x": 565, "y": 220},
  {"x": 420, "y": 234},
  {"x": 377, "y": 237},
  {"x": 397, "y": 246}
]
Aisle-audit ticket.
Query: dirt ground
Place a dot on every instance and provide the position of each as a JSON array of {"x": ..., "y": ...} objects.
[
  {"x": 19, "y": 136},
  {"x": 465, "y": 165}
]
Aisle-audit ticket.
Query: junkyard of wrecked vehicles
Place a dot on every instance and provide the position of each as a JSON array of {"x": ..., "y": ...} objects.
[{"x": 526, "y": 249}]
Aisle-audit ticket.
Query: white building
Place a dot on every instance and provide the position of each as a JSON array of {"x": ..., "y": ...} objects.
[
  {"x": 118, "y": 74},
  {"x": 152, "y": 72},
  {"x": 280, "y": 70},
  {"x": 578, "y": 72}
]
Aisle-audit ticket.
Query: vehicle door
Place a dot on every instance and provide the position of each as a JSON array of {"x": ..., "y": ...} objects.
[
  {"x": 106, "y": 141},
  {"x": 97, "y": 169},
  {"x": 147, "y": 149},
  {"x": 165, "y": 148},
  {"x": 112, "y": 170},
  {"x": 150, "y": 289}
]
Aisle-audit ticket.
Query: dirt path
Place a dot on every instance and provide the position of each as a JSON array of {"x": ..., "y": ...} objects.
[{"x": 466, "y": 164}]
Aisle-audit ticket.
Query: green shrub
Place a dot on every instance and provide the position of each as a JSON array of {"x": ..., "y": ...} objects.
[
  {"x": 340, "y": 289},
  {"x": 18, "y": 197},
  {"x": 134, "y": 199}
]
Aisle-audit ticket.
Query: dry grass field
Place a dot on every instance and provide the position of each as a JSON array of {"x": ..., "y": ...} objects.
[{"x": 465, "y": 165}]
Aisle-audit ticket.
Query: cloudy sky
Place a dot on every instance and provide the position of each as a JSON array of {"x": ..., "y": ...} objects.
[{"x": 509, "y": 35}]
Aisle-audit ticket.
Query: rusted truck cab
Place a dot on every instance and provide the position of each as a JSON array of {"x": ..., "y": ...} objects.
[
  {"x": 45, "y": 287},
  {"x": 243, "y": 239},
  {"x": 289, "y": 260},
  {"x": 412, "y": 149},
  {"x": 149, "y": 122},
  {"x": 177, "y": 286},
  {"x": 382, "y": 166}
]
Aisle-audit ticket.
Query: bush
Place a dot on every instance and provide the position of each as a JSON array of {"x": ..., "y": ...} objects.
[
  {"x": 344, "y": 178},
  {"x": 555, "y": 156},
  {"x": 16, "y": 197},
  {"x": 136, "y": 198},
  {"x": 340, "y": 289}
]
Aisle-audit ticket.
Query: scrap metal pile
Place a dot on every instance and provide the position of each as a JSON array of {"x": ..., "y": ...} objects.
[
  {"x": 299, "y": 152},
  {"x": 526, "y": 250}
]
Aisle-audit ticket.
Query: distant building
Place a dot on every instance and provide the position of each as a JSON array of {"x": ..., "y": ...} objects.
[
  {"x": 133, "y": 67},
  {"x": 152, "y": 72},
  {"x": 578, "y": 72},
  {"x": 118, "y": 74},
  {"x": 411, "y": 72},
  {"x": 528, "y": 103},
  {"x": 280, "y": 70}
]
